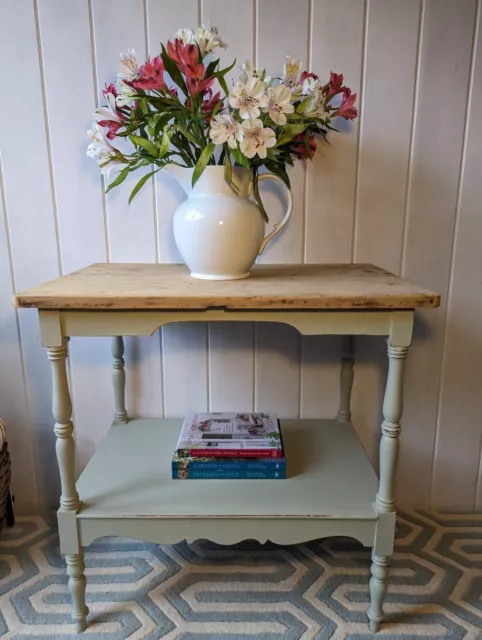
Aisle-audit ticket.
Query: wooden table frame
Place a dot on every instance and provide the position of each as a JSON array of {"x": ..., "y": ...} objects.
[{"x": 58, "y": 326}]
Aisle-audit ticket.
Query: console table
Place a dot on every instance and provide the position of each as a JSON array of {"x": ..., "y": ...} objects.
[{"x": 126, "y": 488}]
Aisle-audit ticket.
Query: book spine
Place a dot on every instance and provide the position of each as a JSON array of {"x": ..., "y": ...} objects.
[
  {"x": 188, "y": 474},
  {"x": 231, "y": 465},
  {"x": 231, "y": 453}
]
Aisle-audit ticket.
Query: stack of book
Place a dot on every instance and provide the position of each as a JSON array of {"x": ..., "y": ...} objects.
[{"x": 229, "y": 446}]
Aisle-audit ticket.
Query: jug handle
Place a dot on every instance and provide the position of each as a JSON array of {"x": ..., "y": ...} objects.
[{"x": 277, "y": 227}]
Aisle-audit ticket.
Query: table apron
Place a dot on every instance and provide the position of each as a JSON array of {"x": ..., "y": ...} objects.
[{"x": 55, "y": 325}]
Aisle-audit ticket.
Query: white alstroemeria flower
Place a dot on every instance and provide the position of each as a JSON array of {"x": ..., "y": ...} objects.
[
  {"x": 129, "y": 69},
  {"x": 256, "y": 138},
  {"x": 108, "y": 111},
  {"x": 125, "y": 94},
  {"x": 310, "y": 85},
  {"x": 101, "y": 150},
  {"x": 208, "y": 39},
  {"x": 224, "y": 128},
  {"x": 291, "y": 71},
  {"x": 316, "y": 107},
  {"x": 279, "y": 103},
  {"x": 248, "y": 98},
  {"x": 249, "y": 71},
  {"x": 186, "y": 36}
]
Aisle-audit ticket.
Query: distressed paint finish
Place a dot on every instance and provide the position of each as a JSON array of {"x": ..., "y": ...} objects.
[{"x": 316, "y": 490}]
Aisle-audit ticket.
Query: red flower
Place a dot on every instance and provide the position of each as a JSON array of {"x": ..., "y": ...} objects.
[
  {"x": 112, "y": 126},
  {"x": 300, "y": 149},
  {"x": 210, "y": 101},
  {"x": 184, "y": 55},
  {"x": 151, "y": 75},
  {"x": 335, "y": 86},
  {"x": 109, "y": 88},
  {"x": 196, "y": 83},
  {"x": 347, "y": 109},
  {"x": 308, "y": 74}
]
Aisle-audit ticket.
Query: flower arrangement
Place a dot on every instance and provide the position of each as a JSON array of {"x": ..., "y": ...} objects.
[{"x": 177, "y": 108}]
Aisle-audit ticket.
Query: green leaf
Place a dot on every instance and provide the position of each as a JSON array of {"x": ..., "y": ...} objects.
[
  {"x": 217, "y": 107},
  {"x": 289, "y": 132},
  {"x": 173, "y": 71},
  {"x": 141, "y": 183},
  {"x": 228, "y": 171},
  {"x": 226, "y": 70},
  {"x": 165, "y": 144},
  {"x": 202, "y": 162},
  {"x": 222, "y": 82},
  {"x": 146, "y": 144},
  {"x": 186, "y": 133},
  {"x": 240, "y": 158},
  {"x": 120, "y": 178},
  {"x": 257, "y": 196},
  {"x": 303, "y": 104},
  {"x": 211, "y": 68},
  {"x": 279, "y": 170}
]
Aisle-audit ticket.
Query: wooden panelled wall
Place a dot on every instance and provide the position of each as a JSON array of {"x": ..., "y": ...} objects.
[{"x": 402, "y": 188}]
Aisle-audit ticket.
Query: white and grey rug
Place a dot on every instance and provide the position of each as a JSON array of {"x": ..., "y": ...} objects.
[{"x": 249, "y": 591}]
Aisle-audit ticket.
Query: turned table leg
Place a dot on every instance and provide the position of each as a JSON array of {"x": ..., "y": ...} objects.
[
  {"x": 385, "y": 500},
  {"x": 119, "y": 379},
  {"x": 346, "y": 381},
  {"x": 65, "y": 449}
]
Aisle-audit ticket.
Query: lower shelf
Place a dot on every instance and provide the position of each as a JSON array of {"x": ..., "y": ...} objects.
[{"x": 129, "y": 477}]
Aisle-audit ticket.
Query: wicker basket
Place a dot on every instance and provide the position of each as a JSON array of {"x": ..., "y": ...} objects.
[{"x": 5, "y": 475}]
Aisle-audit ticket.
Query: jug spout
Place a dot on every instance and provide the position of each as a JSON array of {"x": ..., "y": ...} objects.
[{"x": 182, "y": 174}]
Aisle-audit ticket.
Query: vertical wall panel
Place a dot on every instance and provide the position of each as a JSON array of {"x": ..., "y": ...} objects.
[
  {"x": 277, "y": 369},
  {"x": 185, "y": 368},
  {"x": 278, "y": 347},
  {"x": 30, "y": 217},
  {"x": 164, "y": 18},
  {"x": 289, "y": 21},
  {"x": 444, "y": 74},
  {"x": 66, "y": 44},
  {"x": 392, "y": 31},
  {"x": 337, "y": 46},
  {"x": 13, "y": 398},
  {"x": 231, "y": 347},
  {"x": 337, "y": 36},
  {"x": 459, "y": 429},
  {"x": 119, "y": 26}
]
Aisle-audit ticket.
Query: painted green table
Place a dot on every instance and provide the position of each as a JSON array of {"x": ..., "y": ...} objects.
[{"x": 127, "y": 490}]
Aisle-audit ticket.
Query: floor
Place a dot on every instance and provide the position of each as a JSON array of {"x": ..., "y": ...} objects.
[{"x": 258, "y": 592}]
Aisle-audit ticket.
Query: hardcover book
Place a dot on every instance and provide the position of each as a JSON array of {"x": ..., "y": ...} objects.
[
  {"x": 230, "y": 435},
  {"x": 239, "y": 468}
]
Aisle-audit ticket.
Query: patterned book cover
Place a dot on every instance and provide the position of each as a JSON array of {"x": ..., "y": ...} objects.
[
  {"x": 230, "y": 435},
  {"x": 189, "y": 469}
]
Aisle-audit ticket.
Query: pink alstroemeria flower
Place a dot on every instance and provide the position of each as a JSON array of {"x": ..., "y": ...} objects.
[
  {"x": 347, "y": 109},
  {"x": 300, "y": 149},
  {"x": 151, "y": 75},
  {"x": 184, "y": 55},
  {"x": 307, "y": 74},
  {"x": 110, "y": 88},
  {"x": 112, "y": 126},
  {"x": 335, "y": 86},
  {"x": 210, "y": 101}
]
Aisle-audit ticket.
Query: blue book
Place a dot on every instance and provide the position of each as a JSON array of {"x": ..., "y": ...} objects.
[{"x": 215, "y": 468}]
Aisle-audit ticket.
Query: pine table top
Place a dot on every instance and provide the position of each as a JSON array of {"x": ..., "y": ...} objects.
[{"x": 169, "y": 286}]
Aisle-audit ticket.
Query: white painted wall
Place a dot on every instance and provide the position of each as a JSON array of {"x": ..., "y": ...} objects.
[{"x": 401, "y": 188}]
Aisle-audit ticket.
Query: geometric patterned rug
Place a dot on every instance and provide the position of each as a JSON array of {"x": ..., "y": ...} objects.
[{"x": 204, "y": 591}]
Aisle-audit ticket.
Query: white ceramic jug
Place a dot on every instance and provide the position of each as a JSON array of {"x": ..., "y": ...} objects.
[{"x": 219, "y": 233}]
